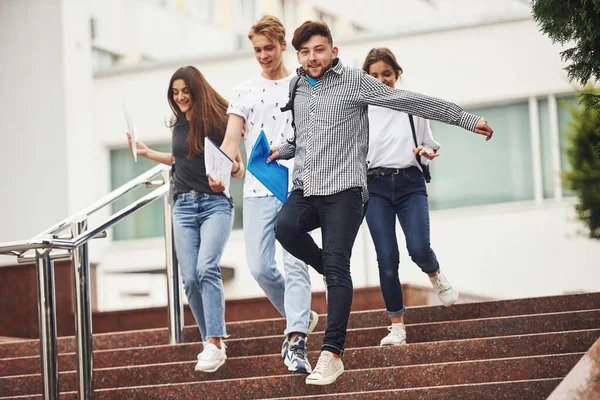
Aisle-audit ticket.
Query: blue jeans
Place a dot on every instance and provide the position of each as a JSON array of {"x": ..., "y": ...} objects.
[
  {"x": 290, "y": 296},
  {"x": 339, "y": 216},
  {"x": 202, "y": 223},
  {"x": 403, "y": 195}
]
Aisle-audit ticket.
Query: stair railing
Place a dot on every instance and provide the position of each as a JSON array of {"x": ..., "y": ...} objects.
[{"x": 49, "y": 246}]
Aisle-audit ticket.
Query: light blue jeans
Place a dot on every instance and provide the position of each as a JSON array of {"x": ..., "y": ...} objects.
[
  {"x": 290, "y": 295},
  {"x": 202, "y": 223}
]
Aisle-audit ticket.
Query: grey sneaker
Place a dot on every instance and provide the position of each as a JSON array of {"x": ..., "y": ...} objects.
[
  {"x": 327, "y": 370},
  {"x": 447, "y": 294}
]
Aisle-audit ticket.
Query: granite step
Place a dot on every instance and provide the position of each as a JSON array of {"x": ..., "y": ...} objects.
[
  {"x": 536, "y": 389},
  {"x": 360, "y": 337},
  {"x": 355, "y": 358},
  {"x": 361, "y": 319},
  {"x": 372, "y": 379}
]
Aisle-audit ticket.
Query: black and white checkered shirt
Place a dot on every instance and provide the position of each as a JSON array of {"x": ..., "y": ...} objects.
[{"x": 332, "y": 127}]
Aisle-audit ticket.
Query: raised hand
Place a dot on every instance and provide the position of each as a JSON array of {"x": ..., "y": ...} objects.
[{"x": 142, "y": 149}]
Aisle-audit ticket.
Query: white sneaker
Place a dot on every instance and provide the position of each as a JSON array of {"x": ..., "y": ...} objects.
[
  {"x": 327, "y": 370},
  {"x": 397, "y": 336},
  {"x": 447, "y": 294},
  {"x": 313, "y": 321},
  {"x": 211, "y": 357}
]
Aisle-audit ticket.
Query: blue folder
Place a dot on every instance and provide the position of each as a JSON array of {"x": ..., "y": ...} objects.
[{"x": 272, "y": 175}]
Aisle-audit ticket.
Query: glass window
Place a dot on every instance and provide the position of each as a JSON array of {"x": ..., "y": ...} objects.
[
  {"x": 471, "y": 171},
  {"x": 148, "y": 222},
  {"x": 546, "y": 148},
  {"x": 564, "y": 118}
]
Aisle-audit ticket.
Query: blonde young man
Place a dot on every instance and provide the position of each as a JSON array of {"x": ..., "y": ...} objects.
[{"x": 255, "y": 107}]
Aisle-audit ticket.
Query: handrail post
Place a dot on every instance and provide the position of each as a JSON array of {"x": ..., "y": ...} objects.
[
  {"x": 174, "y": 301},
  {"x": 83, "y": 312},
  {"x": 47, "y": 318}
]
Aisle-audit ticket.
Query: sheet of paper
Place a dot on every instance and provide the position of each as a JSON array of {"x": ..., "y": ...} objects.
[
  {"x": 131, "y": 129},
  {"x": 218, "y": 164},
  {"x": 273, "y": 176}
]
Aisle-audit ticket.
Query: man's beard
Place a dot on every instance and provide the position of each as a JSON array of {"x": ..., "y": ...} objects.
[{"x": 323, "y": 70}]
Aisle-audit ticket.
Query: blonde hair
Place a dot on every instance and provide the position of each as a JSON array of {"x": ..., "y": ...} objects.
[{"x": 270, "y": 26}]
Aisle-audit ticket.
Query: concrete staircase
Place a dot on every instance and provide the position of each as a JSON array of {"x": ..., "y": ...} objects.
[{"x": 500, "y": 350}]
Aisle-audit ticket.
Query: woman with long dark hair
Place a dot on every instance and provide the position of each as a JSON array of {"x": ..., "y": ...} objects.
[{"x": 202, "y": 219}]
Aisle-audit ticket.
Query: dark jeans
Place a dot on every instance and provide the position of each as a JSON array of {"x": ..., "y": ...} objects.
[
  {"x": 403, "y": 195},
  {"x": 339, "y": 216}
]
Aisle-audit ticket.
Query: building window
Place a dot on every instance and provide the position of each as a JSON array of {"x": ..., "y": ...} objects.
[
  {"x": 471, "y": 171},
  {"x": 148, "y": 222},
  {"x": 564, "y": 118}
]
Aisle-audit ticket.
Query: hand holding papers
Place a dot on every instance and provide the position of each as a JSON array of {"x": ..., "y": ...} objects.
[
  {"x": 218, "y": 164},
  {"x": 273, "y": 175},
  {"x": 131, "y": 129}
]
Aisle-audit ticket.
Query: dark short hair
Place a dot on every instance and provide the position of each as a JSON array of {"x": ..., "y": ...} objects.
[
  {"x": 308, "y": 29},
  {"x": 382, "y": 54}
]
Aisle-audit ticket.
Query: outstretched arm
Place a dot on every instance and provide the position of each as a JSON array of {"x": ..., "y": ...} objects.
[
  {"x": 376, "y": 93},
  {"x": 147, "y": 152}
]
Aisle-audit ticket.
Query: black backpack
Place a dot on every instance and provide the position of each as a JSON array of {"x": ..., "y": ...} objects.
[{"x": 290, "y": 105}]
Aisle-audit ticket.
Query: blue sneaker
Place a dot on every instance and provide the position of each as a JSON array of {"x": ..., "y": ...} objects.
[
  {"x": 285, "y": 346},
  {"x": 294, "y": 355},
  {"x": 312, "y": 324}
]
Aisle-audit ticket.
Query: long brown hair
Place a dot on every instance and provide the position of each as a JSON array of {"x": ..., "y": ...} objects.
[
  {"x": 209, "y": 108},
  {"x": 382, "y": 54}
]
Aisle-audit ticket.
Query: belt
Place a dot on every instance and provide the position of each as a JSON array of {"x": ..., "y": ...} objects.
[{"x": 384, "y": 171}]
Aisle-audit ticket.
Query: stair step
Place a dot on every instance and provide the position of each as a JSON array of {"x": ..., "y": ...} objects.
[
  {"x": 361, "y": 319},
  {"x": 356, "y": 358},
  {"x": 372, "y": 379},
  {"x": 537, "y": 389},
  {"x": 361, "y": 337}
]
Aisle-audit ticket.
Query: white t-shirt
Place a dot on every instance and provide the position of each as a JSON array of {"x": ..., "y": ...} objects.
[
  {"x": 391, "y": 142},
  {"x": 258, "y": 101}
]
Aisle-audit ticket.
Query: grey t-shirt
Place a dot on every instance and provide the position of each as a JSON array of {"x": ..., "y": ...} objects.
[{"x": 190, "y": 173}]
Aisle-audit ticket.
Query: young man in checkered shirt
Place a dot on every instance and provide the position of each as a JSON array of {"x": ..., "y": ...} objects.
[{"x": 329, "y": 180}]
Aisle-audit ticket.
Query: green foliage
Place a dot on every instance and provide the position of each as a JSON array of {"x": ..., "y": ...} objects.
[
  {"x": 583, "y": 154},
  {"x": 574, "y": 23}
]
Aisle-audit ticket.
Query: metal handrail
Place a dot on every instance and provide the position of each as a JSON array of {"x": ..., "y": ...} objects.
[
  {"x": 86, "y": 236},
  {"x": 109, "y": 198},
  {"x": 77, "y": 248}
]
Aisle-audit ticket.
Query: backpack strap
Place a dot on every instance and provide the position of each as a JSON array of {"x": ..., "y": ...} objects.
[
  {"x": 290, "y": 104},
  {"x": 424, "y": 168}
]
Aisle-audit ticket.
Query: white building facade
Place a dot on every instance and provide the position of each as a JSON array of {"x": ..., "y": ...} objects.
[{"x": 502, "y": 224}]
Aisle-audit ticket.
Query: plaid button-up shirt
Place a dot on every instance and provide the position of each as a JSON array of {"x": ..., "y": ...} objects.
[{"x": 332, "y": 127}]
